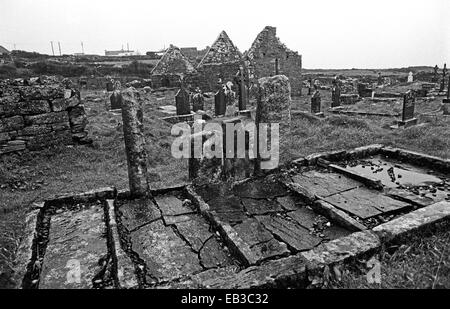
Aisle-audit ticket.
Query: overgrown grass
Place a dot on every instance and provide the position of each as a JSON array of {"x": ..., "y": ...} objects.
[{"x": 35, "y": 176}]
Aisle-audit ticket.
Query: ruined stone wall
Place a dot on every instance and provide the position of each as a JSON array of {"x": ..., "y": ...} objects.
[
  {"x": 38, "y": 113},
  {"x": 207, "y": 76},
  {"x": 262, "y": 56}
]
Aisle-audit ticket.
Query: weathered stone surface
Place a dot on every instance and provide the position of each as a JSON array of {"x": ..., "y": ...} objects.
[
  {"x": 125, "y": 268},
  {"x": 259, "y": 241},
  {"x": 133, "y": 129},
  {"x": 281, "y": 273},
  {"x": 138, "y": 212},
  {"x": 260, "y": 189},
  {"x": 24, "y": 252},
  {"x": 304, "y": 216},
  {"x": 289, "y": 202},
  {"x": 260, "y": 207},
  {"x": 335, "y": 232},
  {"x": 341, "y": 249},
  {"x": 34, "y": 107},
  {"x": 410, "y": 197},
  {"x": 172, "y": 206},
  {"x": 166, "y": 255},
  {"x": 77, "y": 242},
  {"x": 413, "y": 221},
  {"x": 212, "y": 255},
  {"x": 47, "y": 118},
  {"x": 196, "y": 231},
  {"x": 11, "y": 124},
  {"x": 337, "y": 215},
  {"x": 365, "y": 203},
  {"x": 295, "y": 235},
  {"x": 221, "y": 51},
  {"x": 323, "y": 184},
  {"x": 35, "y": 130}
]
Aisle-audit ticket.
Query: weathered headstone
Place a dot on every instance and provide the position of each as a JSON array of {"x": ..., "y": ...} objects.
[
  {"x": 444, "y": 73},
  {"x": 116, "y": 100},
  {"x": 243, "y": 90},
  {"x": 274, "y": 108},
  {"x": 220, "y": 104},
  {"x": 310, "y": 87},
  {"x": 133, "y": 129},
  {"x": 379, "y": 79},
  {"x": 182, "y": 102},
  {"x": 336, "y": 93},
  {"x": 277, "y": 68},
  {"x": 198, "y": 102},
  {"x": 408, "y": 110},
  {"x": 316, "y": 103},
  {"x": 446, "y": 102},
  {"x": 435, "y": 77}
]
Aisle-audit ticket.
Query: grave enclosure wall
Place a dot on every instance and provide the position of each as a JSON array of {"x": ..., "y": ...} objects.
[{"x": 33, "y": 117}]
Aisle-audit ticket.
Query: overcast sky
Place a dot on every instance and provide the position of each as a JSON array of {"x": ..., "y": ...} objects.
[{"x": 328, "y": 33}]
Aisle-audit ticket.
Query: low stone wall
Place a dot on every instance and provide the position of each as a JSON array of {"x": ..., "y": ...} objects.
[{"x": 38, "y": 113}]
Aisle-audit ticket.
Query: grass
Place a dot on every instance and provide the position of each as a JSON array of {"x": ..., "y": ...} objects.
[{"x": 35, "y": 176}]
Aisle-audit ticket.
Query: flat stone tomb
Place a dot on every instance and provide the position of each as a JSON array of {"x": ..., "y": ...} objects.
[
  {"x": 76, "y": 253},
  {"x": 265, "y": 221},
  {"x": 171, "y": 239},
  {"x": 346, "y": 194}
]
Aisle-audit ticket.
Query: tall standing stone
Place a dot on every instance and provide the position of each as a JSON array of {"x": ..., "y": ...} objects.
[
  {"x": 242, "y": 89},
  {"x": 444, "y": 73},
  {"x": 116, "y": 100},
  {"x": 316, "y": 103},
  {"x": 182, "y": 102},
  {"x": 277, "y": 68},
  {"x": 274, "y": 107},
  {"x": 220, "y": 105},
  {"x": 133, "y": 130}
]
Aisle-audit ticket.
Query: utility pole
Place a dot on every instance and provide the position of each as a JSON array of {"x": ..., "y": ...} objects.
[
  {"x": 53, "y": 51},
  {"x": 59, "y": 46}
]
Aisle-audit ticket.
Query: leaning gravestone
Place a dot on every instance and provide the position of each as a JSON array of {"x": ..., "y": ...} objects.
[
  {"x": 182, "y": 102},
  {"x": 408, "y": 110},
  {"x": 220, "y": 105}
]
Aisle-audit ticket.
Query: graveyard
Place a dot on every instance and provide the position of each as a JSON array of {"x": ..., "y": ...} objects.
[{"x": 327, "y": 178}]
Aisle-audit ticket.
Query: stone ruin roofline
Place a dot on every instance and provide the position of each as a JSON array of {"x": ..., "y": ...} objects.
[
  {"x": 250, "y": 54},
  {"x": 226, "y": 38},
  {"x": 169, "y": 50}
]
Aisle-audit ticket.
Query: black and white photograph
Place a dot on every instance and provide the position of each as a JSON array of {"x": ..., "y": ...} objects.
[{"x": 222, "y": 151}]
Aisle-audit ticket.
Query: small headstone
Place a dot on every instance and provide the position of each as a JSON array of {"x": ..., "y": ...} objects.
[
  {"x": 408, "y": 110},
  {"x": 336, "y": 93},
  {"x": 198, "y": 101},
  {"x": 410, "y": 77},
  {"x": 379, "y": 80},
  {"x": 116, "y": 100},
  {"x": 182, "y": 102},
  {"x": 220, "y": 104},
  {"x": 316, "y": 102},
  {"x": 242, "y": 89}
]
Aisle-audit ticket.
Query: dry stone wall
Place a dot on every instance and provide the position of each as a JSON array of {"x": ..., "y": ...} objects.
[{"x": 38, "y": 113}]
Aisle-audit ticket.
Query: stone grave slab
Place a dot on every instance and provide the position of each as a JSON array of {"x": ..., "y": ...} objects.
[
  {"x": 228, "y": 209},
  {"x": 212, "y": 255},
  {"x": 335, "y": 232},
  {"x": 260, "y": 189},
  {"x": 304, "y": 216},
  {"x": 289, "y": 202},
  {"x": 261, "y": 206},
  {"x": 138, "y": 212},
  {"x": 165, "y": 254},
  {"x": 172, "y": 206},
  {"x": 295, "y": 235},
  {"x": 260, "y": 241},
  {"x": 324, "y": 184},
  {"x": 76, "y": 242},
  {"x": 365, "y": 203},
  {"x": 196, "y": 231}
]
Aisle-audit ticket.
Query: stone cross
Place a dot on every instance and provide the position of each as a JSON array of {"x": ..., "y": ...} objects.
[{"x": 133, "y": 131}]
